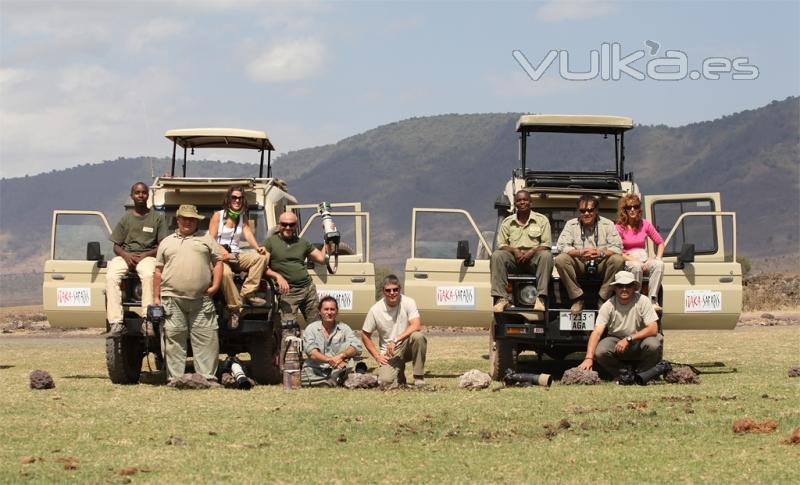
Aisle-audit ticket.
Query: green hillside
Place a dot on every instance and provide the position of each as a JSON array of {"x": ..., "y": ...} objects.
[{"x": 461, "y": 161}]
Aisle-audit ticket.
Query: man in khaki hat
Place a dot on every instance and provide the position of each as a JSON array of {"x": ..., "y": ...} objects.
[
  {"x": 188, "y": 273},
  {"x": 632, "y": 330}
]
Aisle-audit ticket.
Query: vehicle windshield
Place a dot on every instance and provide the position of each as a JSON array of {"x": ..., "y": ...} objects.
[{"x": 563, "y": 152}]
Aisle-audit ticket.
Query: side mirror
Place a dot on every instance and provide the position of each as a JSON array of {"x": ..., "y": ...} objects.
[
  {"x": 686, "y": 256},
  {"x": 462, "y": 252},
  {"x": 93, "y": 254}
]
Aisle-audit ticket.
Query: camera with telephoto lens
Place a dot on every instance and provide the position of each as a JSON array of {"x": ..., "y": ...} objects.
[
  {"x": 155, "y": 314},
  {"x": 627, "y": 377},
  {"x": 660, "y": 369},
  {"x": 526, "y": 379},
  {"x": 233, "y": 367}
]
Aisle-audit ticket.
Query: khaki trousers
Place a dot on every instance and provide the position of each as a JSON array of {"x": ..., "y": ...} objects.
[
  {"x": 541, "y": 264},
  {"x": 654, "y": 268},
  {"x": 195, "y": 319},
  {"x": 646, "y": 353},
  {"x": 254, "y": 264},
  {"x": 302, "y": 298},
  {"x": 413, "y": 349},
  {"x": 570, "y": 268},
  {"x": 115, "y": 270}
]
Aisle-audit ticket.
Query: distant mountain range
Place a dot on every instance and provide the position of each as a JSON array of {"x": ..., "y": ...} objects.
[{"x": 458, "y": 161}]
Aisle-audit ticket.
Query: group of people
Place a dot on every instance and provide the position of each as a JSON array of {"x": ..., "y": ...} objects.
[
  {"x": 182, "y": 272},
  {"x": 590, "y": 246}
]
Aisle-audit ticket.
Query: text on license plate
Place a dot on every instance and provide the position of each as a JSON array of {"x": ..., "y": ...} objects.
[{"x": 583, "y": 321}]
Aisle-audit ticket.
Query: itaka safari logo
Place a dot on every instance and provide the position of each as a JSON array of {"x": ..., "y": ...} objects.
[{"x": 609, "y": 64}]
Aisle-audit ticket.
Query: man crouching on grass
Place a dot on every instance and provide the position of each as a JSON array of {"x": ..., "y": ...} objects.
[
  {"x": 632, "y": 330},
  {"x": 188, "y": 273},
  {"x": 397, "y": 321}
]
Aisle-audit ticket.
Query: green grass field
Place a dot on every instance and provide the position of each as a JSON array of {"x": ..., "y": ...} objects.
[{"x": 87, "y": 429}]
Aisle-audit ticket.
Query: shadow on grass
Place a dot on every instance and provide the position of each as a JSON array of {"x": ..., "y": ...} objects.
[
  {"x": 6, "y": 366},
  {"x": 85, "y": 376}
]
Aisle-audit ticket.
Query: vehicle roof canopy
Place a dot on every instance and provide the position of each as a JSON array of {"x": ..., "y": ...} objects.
[
  {"x": 220, "y": 138},
  {"x": 574, "y": 124}
]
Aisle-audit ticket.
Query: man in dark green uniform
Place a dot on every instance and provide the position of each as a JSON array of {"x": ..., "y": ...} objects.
[{"x": 287, "y": 267}]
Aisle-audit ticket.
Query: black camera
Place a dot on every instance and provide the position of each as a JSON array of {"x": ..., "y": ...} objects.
[
  {"x": 526, "y": 379},
  {"x": 660, "y": 369},
  {"x": 591, "y": 267},
  {"x": 627, "y": 377},
  {"x": 155, "y": 314}
]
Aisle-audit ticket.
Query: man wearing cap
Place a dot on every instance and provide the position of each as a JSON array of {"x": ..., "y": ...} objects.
[
  {"x": 632, "y": 330},
  {"x": 188, "y": 273},
  {"x": 135, "y": 237},
  {"x": 588, "y": 244},
  {"x": 523, "y": 244}
]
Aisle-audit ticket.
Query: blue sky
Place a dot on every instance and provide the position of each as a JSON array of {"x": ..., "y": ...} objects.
[{"x": 82, "y": 82}]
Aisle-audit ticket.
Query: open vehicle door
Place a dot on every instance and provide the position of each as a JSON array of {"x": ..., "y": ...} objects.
[
  {"x": 702, "y": 289},
  {"x": 353, "y": 284},
  {"x": 449, "y": 281},
  {"x": 74, "y": 287}
]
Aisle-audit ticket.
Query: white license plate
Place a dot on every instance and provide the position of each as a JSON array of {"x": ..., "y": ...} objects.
[{"x": 584, "y": 321}]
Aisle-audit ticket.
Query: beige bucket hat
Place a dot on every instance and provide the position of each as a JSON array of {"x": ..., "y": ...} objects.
[
  {"x": 625, "y": 277},
  {"x": 188, "y": 210}
]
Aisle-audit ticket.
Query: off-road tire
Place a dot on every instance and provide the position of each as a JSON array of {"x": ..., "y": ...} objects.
[
  {"x": 502, "y": 356},
  {"x": 124, "y": 359},
  {"x": 264, "y": 350},
  {"x": 344, "y": 249}
]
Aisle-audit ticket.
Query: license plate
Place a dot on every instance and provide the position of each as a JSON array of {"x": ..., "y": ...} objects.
[{"x": 583, "y": 321}]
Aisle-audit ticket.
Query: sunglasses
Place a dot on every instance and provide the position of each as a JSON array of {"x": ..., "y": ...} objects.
[
  {"x": 632, "y": 207},
  {"x": 586, "y": 211},
  {"x": 236, "y": 197},
  {"x": 627, "y": 286},
  {"x": 391, "y": 290},
  {"x": 287, "y": 224}
]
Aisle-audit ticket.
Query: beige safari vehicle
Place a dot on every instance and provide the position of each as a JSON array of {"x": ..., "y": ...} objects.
[
  {"x": 702, "y": 282},
  {"x": 74, "y": 275}
]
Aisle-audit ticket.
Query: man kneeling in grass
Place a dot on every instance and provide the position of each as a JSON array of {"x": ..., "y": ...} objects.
[
  {"x": 330, "y": 346},
  {"x": 632, "y": 330}
]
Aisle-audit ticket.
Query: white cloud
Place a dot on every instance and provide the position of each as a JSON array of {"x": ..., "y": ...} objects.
[
  {"x": 288, "y": 61},
  {"x": 153, "y": 32},
  {"x": 558, "y": 10}
]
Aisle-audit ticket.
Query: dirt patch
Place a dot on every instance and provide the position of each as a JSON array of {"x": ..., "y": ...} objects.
[
  {"x": 794, "y": 371},
  {"x": 792, "y": 439},
  {"x": 748, "y": 425},
  {"x": 682, "y": 375},
  {"x": 579, "y": 376}
]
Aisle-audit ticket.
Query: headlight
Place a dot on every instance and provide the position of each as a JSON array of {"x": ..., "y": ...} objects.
[{"x": 527, "y": 295}]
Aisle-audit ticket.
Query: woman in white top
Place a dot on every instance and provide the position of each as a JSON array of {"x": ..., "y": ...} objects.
[{"x": 227, "y": 227}]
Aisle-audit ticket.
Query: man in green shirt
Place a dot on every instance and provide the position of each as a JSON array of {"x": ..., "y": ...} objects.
[
  {"x": 287, "y": 266},
  {"x": 523, "y": 245},
  {"x": 135, "y": 237}
]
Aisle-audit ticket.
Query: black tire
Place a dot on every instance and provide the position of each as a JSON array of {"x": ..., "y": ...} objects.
[
  {"x": 502, "y": 356},
  {"x": 124, "y": 359},
  {"x": 264, "y": 349},
  {"x": 344, "y": 249}
]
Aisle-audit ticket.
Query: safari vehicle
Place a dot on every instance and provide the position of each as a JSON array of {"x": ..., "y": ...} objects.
[
  {"x": 74, "y": 276},
  {"x": 702, "y": 282}
]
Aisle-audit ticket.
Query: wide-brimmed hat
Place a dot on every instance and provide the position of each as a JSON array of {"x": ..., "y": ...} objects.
[
  {"x": 188, "y": 210},
  {"x": 624, "y": 278}
]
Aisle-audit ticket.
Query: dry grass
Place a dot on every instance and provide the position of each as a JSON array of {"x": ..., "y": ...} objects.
[{"x": 89, "y": 430}]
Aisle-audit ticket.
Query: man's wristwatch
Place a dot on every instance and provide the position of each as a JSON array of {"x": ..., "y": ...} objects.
[{"x": 629, "y": 338}]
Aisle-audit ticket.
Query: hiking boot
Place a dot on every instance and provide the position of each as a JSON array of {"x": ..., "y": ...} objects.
[
  {"x": 539, "y": 306},
  {"x": 116, "y": 330},
  {"x": 577, "y": 307},
  {"x": 419, "y": 382},
  {"x": 255, "y": 301},
  {"x": 500, "y": 305}
]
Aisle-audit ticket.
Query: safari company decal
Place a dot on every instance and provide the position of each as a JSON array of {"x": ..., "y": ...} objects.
[
  {"x": 700, "y": 301},
  {"x": 73, "y": 297},
  {"x": 457, "y": 296},
  {"x": 343, "y": 298}
]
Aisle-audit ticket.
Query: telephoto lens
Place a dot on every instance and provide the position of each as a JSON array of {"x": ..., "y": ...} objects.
[
  {"x": 242, "y": 382},
  {"x": 525, "y": 379},
  {"x": 642, "y": 378}
]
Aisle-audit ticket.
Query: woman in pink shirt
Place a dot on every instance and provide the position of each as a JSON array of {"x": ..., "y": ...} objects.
[{"x": 634, "y": 232}]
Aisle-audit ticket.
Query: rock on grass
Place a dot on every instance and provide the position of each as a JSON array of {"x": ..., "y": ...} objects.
[
  {"x": 41, "y": 379},
  {"x": 794, "y": 371},
  {"x": 474, "y": 379},
  {"x": 682, "y": 375},
  {"x": 579, "y": 376}
]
